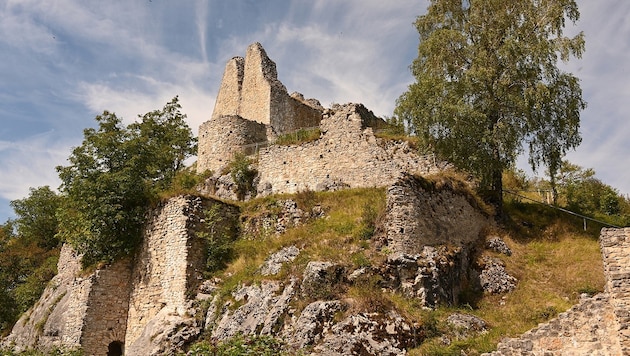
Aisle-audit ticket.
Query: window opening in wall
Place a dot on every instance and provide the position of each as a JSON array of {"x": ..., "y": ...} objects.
[{"x": 115, "y": 348}]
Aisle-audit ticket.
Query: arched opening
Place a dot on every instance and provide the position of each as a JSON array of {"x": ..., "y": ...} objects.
[{"x": 115, "y": 348}]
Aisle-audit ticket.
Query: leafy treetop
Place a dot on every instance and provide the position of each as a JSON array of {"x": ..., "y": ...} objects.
[
  {"x": 115, "y": 174},
  {"x": 487, "y": 82}
]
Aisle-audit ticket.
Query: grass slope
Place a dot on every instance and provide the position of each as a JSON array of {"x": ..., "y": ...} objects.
[{"x": 553, "y": 259}]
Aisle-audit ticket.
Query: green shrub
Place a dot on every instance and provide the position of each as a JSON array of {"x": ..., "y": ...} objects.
[
  {"x": 242, "y": 174},
  {"x": 219, "y": 238},
  {"x": 240, "y": 346}
]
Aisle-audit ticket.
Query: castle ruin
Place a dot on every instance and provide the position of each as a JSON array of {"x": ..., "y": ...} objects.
[
  {"x": 138, "y": 306},
  {"x": 252, "y": 107}
]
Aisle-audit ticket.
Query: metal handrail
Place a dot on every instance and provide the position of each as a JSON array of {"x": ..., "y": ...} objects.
[{"x": 563, "y": 210}]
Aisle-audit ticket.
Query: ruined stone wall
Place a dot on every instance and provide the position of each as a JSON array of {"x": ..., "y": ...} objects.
[
  {"x": 229, "y": 96},
  {"x": 250, "y": 89},
  {"x": 160, "y": 275},
  {"x": 288, "y": 114},
  {"x": 615, "y": 245},
  {"x": 168, "y": 269},
  {"x": 252, "y": 106},
  {"x": 221, "y": 138},
  {"x": 105, "y": 320},
  {"x": 346, "y": 155},
  {"x": 77, "y": 311},
  {"x": 420, "y": 213},
  {"x": 598, "y": 325}
]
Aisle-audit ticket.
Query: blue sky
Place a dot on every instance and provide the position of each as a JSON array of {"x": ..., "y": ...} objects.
[{"x": 63, "y": 62}]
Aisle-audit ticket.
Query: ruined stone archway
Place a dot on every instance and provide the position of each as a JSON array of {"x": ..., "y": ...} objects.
[{"x": 115, "y": 348}]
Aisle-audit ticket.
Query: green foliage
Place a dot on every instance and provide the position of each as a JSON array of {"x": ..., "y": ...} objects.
[
  {"x": 219, "y": 237},
  {"x": 487, "y": 83},
  {"x": 36, "y": 216},
  {"x": 27, "y": 264},
  {"x": 299, "y": 136},
  {"x": 114, "y": 175},
  {"x": 369, "y": 219},
  {"x": 53, "y": 352},
  {"x": 243, "y": 174},
  {"x": 240, "y": 346},
  {"x": 184, "y": 182}
]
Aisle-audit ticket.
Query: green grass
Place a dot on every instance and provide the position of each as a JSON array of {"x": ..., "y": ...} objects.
[
  {"x": 299, "y": 137},
  {"x": 553, "y": 259}
]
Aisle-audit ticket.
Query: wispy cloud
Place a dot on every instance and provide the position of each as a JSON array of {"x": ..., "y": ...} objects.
[{"x": 30, "y": 162}]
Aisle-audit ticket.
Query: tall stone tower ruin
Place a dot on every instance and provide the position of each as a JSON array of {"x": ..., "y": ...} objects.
[{"x": 252, "y": 107}]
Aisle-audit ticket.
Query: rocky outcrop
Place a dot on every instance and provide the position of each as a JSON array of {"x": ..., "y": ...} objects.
[
  {"x": 278, "y": 216},
  {"x": 493, "y": 278},
  {"x": 370, "y": 334},
  {"x": 266, "y": 309},
  {"x": 433, "y": 232}
]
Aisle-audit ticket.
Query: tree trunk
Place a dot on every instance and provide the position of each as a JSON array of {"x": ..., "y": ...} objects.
[{"x": 496, "y": 195}]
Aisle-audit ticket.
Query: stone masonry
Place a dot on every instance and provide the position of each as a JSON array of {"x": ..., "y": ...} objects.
[
  {"x": 252, "y": 106},
  {"x": 347, "y": 155},
  {"x": 128, "y": 303},
  {"x": 168, "y": 270},
  {"x": 598, "y": 325},
  {"x": 77, "y": 311}
]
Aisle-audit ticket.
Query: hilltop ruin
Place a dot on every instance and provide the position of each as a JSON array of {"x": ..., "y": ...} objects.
[{"x": 150, "y": 304}]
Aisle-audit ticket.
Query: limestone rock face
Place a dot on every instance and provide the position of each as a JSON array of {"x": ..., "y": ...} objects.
[
  {"x": 314, "y": 322},
  {"x": 260, "y": 315},
  {"x": 494, "y": 278},
  {"x": 464, "y": 326},
  {"x": 274, "y": 262},
  {"x": 369, "y": 334},
  {"x": 433, "y": 277}
]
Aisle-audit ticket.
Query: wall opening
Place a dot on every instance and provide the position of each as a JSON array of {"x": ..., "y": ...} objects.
[{"x": 115, "y": 348}]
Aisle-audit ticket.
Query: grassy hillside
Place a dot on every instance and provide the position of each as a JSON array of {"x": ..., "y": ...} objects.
[{"x": 553, "y": 259}]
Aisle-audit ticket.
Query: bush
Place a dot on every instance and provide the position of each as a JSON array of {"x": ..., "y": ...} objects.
[
  {"x": 219, "y": 238},
  {"x": 242, "y": 174},
  {"x": 300, "y": 136},
  {"x": 240, "y": 345}
]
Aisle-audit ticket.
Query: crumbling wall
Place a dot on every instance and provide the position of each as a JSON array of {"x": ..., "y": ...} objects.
[
  {"x": 77, "y": 311},
  {"x": 160, "y": 277},
  {"x": 598, "y": 325},
  {"x": 347, "y": 154},
  {"x": 105, "y": 318},
  {"x": 432, "y": 232},
  {"x": 422, "y": 213},
  {"x": 220, "y": 138},
  {"x": 168, "y": 269},
  {"x": 251, "y": 91}
]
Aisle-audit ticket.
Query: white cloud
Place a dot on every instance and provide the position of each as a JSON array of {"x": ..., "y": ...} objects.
[
  {"x": 30, "y": 162},
  {"x": 128, "y": 103}
]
